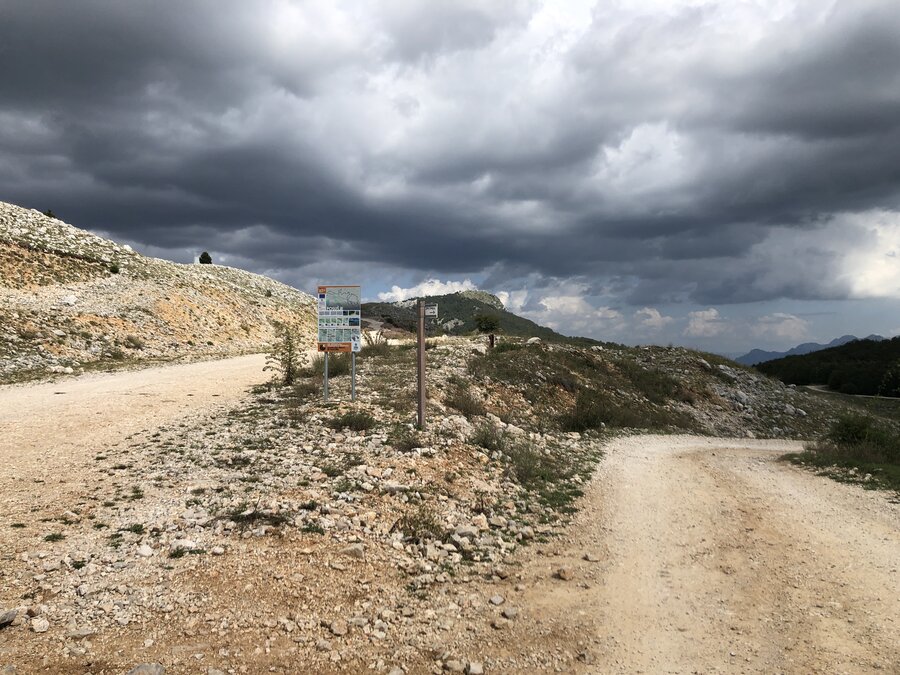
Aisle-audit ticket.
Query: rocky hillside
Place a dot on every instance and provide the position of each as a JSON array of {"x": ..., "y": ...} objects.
[{"x": 70, "y": 299}]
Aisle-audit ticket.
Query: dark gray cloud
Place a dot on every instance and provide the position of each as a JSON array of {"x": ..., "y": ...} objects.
[{"x": 644, "y": 153}]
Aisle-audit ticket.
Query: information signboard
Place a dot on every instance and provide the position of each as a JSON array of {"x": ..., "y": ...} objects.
[
  {"x": 339, "y": 318},
  {"x": 431, "y": 311}
]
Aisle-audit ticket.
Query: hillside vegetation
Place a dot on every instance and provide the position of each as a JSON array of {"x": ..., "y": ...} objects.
[
  {"x": 70, "y": 300},
  {"x": 859, "y": 367},
  {"x": 458, "y": 314}
]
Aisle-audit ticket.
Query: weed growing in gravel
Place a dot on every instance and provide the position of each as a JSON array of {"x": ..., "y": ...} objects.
[
  {"x": 18, "y": 525},
  {"x": 355, "y": 421},
  {"x": 404, "y": 439},
  {"x": 134, "y": 528},
  {"x": 419, "y": 524},
  {"x": 286, "y": 355},
  {"x": 180, "y": 552},
  {"x": 55, "y": 536}
]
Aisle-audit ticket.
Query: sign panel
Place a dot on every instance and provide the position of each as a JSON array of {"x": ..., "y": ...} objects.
[
  {"x": 339, "y": 318},
  {"x": 431, "y": 311}
]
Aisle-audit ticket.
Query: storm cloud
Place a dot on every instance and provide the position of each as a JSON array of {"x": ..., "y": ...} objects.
[{"x": 627, "y": 154}]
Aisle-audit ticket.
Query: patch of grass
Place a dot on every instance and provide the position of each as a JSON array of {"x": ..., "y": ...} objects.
[
  {"x": 312, "y": 528},
  {"x": 489, "y": 437},
  {"x": 338, "y": 365},
  {"x": 18, "y": 526},
  {"x": 857, "y": 449},
  {"x": 656, "y": 385},
  {"x": 530, "y": 467},
  {"x": 54, "y": 536},
  {"x": 355, "y": 421},
  {"x": 376, "y": 349},
  {"x": 136, "y": 493},
  {"x": 462, "y": 399},
  {"x": 596, "y": 410},
  {"x": 404, "y": 439},
  {"x": 502, "y": 347},
  {"x": 134, "y": 528}
]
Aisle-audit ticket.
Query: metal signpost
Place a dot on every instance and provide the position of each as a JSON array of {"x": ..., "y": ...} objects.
[
  {"x": 431, "y": 311},
  {"x": 340, "y": 319}
]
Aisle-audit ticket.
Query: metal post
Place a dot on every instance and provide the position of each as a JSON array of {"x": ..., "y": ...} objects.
[
  {"x": 421, "y": 363},
  {"x": 326, "y": 377},
  {"x": 353, "y": 376}
]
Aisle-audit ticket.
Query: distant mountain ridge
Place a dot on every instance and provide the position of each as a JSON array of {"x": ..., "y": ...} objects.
[
  {"x": 456, "y": 316},
  {"x": 755, "y": 356}
]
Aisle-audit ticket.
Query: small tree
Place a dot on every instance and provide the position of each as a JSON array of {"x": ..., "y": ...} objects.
[
  {"x": 205, "y": 258},
  {"x": 487, "y": 323},
  {"x": 285, "y": 356}
]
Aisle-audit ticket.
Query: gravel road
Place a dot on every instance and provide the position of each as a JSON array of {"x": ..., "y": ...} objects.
[
  {"x": 712, "y": 556},
  {"x": 50, "y": 432},
  {"x": 689, "y": 554}
]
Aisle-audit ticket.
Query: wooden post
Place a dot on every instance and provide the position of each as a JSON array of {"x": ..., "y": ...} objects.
[
  {"x": 421, "y": 364},
  {"x": 326, "y": 377}
]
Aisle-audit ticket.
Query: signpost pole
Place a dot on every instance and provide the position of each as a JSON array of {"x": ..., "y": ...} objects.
[
  {"x": 421, "y": 363},
  {"x": 326, "y": 377},
  {"x": 353, "y": 376}
]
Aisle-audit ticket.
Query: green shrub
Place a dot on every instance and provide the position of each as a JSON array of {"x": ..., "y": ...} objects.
[
  {"x": 420, "y": 524},
  {"x": 863, "y": 444},
  {"x": 285, "y": 356},
  {"x": 114, "y": 269},
  {"x": 355, "y": 421}
]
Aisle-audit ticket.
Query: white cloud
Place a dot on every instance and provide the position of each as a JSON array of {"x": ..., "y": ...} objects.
[
  {"x": 513, "y": 301},
  {"x": 650, "y": 318},
  {"x": 705, "y": 323},
  {"x": 428, "y": 287},
  {"x": 781, "y": 325}
]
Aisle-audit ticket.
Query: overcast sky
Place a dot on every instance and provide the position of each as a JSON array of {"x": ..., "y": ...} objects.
[{"x": 723, "y": 175}]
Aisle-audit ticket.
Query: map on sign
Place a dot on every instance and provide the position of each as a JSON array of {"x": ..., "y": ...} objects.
[
  {"x": 342, "y": 297},
  {"x": 339, "y": 318}
]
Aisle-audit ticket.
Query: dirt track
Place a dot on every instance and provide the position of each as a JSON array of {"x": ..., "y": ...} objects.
[
  {"x": 50, "y": 432},
  {"x": 711, "y": 555},
  {"x": 715, "y": 557}
]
